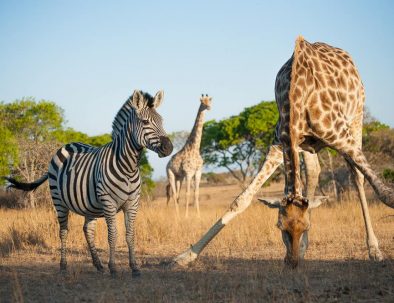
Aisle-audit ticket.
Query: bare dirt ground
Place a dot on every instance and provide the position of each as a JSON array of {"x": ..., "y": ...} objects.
[{"x": 243, "y": 264}]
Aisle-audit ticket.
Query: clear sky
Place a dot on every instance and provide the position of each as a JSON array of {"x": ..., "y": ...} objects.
[{"x": 89, "y": 56}]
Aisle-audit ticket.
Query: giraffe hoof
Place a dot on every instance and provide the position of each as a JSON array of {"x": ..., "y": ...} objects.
[
  {"x": 376, "y": 255},
  {"x": 135, "y": 273}
]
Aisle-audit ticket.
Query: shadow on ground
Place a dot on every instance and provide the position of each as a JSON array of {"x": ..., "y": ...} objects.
[{"x": 208, "y": 280}]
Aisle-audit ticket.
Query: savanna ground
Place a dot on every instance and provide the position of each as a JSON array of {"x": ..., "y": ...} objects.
[{"x": 242, "y": 264}]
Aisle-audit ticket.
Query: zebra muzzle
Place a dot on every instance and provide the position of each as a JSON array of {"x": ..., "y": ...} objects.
[{"x": 165, "y": 147}]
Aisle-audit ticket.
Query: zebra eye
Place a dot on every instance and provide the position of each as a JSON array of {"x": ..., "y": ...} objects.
[{"x": 145, "y": 122}]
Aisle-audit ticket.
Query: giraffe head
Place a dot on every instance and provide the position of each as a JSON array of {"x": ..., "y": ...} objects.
[
  {"x": 205, "y": 102},
  {"x": 149, "y": 130},
  {"x": 294, "y": 223}
]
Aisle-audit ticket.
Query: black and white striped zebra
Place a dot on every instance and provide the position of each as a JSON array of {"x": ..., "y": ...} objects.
[{"x": 99, "y": 182}]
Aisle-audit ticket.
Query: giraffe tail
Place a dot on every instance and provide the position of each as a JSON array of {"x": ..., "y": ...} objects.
[{"x": 26, "y": 186}]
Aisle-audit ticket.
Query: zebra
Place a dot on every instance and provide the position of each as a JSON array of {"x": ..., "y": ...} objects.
[{"x": 100, "y": 181}]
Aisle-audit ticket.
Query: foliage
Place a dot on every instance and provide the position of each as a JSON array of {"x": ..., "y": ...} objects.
[
  {"x": 381, "y": 140},
  {"x": 179, "y": 139},
  {"x": 30, "y": 133},
  {"x": 240, "y": 142},
  {"x": 388, "y": 175},
  {"x": 8, "y": 151},
  {"x": 32, "y": 120}
]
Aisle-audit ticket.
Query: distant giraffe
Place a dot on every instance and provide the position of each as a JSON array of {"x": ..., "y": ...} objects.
[
  {"x": 320, "y": 99},
  {"x": 188, "y": 163}
]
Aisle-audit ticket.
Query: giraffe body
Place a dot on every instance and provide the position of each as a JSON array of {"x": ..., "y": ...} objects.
[
  {"x": 320, "y": 100},
  {"x": 187, "y": 164}
]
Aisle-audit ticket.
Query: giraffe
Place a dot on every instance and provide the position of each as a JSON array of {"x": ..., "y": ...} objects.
[
  {"x": 320, "y": 99},
  {"x": 187, "y": 163}
]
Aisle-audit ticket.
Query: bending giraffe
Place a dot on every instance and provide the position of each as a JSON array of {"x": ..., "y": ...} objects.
[
  {"x": 187, "y": 163},
  {"x": 320, "y": 98}
]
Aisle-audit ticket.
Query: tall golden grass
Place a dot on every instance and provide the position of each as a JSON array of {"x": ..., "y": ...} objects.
[
  {"x": 242, "y": 264},
  {"x": 337, "y": 231}
]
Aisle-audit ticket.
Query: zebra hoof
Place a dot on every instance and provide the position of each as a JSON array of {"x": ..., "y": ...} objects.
[
  {"x": 135, "y": 273},
  {"x": 63, "y": 267}
]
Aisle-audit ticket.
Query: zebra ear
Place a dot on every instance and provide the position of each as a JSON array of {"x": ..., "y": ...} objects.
[
  {"x": 137, "y": 100},
  {"x": 158, "y": 99}
]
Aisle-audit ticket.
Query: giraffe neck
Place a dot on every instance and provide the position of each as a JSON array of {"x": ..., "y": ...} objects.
[{"x": 194, "y": 140}]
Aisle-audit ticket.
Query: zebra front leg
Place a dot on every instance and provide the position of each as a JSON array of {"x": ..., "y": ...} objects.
[
  {"x": 130, "y": 211},
  {"x": 110, "y": 218},
  {"x": 62, "y": 217},
  {"x": 89, "y": 229}
]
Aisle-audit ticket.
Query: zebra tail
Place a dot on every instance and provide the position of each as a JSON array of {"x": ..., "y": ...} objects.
[{"x": 26, "y": 186}]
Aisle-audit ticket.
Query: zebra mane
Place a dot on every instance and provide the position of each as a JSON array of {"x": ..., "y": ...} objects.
[{"x": 124, "y": 113}]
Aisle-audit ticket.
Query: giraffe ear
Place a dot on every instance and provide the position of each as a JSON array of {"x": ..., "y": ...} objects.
[
  {"x": 138, "y": 101},
  {"x": 271, "y": 202},
  {"x": 158, "y": 99}
]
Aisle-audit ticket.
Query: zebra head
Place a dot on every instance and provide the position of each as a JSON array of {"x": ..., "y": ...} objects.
[{"x": 149, "y": 131}]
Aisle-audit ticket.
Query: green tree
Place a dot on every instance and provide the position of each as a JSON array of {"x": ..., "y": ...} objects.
[
  {"x": 31, "y": 120},
  {"x": 8, "y": 151},
  {"x": 30, "y": 133},
  {"x": 239, "y": 143}
]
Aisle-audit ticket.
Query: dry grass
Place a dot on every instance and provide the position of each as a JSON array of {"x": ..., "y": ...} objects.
[{"x": 243, "y": 264}]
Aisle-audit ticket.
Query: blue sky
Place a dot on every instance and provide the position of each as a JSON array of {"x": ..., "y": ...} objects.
[{"x": 89, "y": 56}]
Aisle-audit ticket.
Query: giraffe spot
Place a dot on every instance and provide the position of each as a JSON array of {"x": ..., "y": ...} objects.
[
  {"x": 309, "y": 79},
  {"x": 339, "y": 124},
  {"x": 351, "y": 85},
  {"x": 301, "y": 82},
  {"x": 342, "y": 82},
  {"x": 316, "y": 65},
  {"x": 297, "y": 93},
  {"x": 327, "y": 121},
  {"x": 335, "y": 63},
  {"x": 315, "y": 113},
  {"x": 332, "y": 94},
  {"x": 331, "y": 82},
  {"x": 342, "y": 95}
]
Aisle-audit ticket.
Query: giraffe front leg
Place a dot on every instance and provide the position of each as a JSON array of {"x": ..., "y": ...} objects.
[
  {"x": 89, "y": 229},
  {"x": 110, "y": 218},
  {"x": 130, "y": 212},
  {"x": 188, "y": 182},
  {"x": 197, "y": 179}
]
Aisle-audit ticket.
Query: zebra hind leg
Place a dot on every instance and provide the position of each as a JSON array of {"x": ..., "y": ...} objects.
[
  {"x": 89, "y": 229},
  {"x": 62, "y": 216}
]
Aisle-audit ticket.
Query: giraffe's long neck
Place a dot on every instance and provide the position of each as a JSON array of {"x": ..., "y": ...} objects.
[{"x": 194, "y": 140}]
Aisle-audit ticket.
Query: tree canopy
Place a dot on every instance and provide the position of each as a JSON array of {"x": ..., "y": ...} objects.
[
  {"x": 31, "y": 131},
  {"x": 239, "y": 143}
]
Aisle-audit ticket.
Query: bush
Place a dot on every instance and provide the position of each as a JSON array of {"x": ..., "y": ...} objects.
[{"x": 388, "y": 175}]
